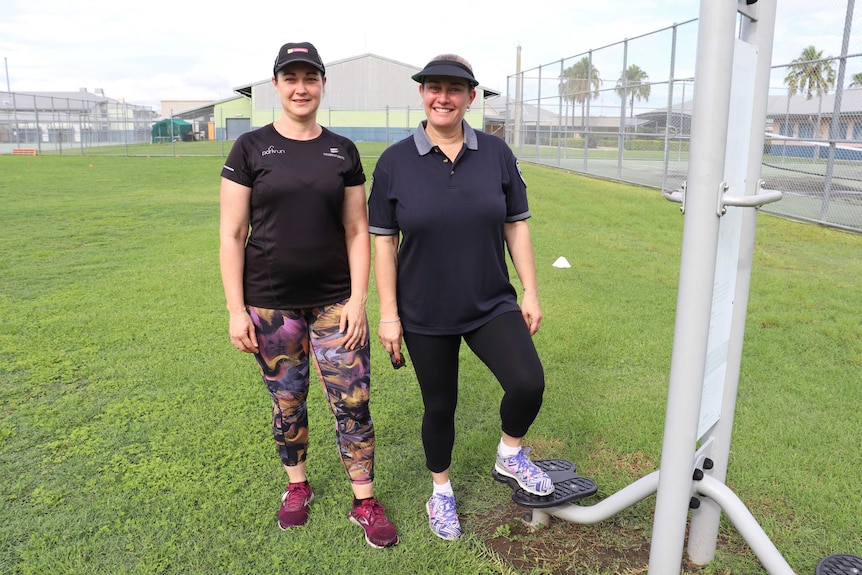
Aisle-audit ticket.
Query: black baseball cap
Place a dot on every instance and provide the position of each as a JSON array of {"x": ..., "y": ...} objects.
[
  {"x": 444, "y": 66},
  {"x": 298, "y": 52}
]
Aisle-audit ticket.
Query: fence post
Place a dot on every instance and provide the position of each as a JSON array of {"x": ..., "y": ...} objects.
[
  {"x": 669, "y": 115},
  {"x": 836, "y": 111},
  {"x": 625, "y": 85}
]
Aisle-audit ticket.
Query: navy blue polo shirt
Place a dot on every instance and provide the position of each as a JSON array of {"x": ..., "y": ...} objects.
[{"x": 452, "y": 272}]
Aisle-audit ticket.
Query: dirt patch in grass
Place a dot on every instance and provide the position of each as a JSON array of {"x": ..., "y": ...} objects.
[
  {"x": 562, "y": 548},
  {"x": 617, "y": 546}
]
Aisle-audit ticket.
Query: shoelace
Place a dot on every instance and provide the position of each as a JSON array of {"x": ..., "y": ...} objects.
[
  {"x": 374, "y": 511},
  {"x": 295, "y": 497},
  {"x": 445, "y": 506},
  {"x": 524, "y": 466}
]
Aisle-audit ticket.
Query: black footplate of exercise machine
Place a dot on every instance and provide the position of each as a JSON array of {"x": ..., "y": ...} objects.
[
  {"x": 568, "y": 485},
  {"x": 840, "y": 565}
]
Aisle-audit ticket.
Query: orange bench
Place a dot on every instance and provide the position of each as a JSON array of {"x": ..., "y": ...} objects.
[{"x": 24, "y": 151}]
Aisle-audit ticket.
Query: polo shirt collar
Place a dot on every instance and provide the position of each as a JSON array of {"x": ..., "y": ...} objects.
[{"x": 424, "y": 145}]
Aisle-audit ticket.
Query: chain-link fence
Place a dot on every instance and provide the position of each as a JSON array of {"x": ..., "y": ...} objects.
[
  {"x": 623, "y": 111},
  {"x": 70, "y": 126},
  {"x": 56, "y": 123}
]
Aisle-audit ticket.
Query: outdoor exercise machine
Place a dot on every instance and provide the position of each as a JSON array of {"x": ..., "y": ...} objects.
[{"x": 722, "y": 187}]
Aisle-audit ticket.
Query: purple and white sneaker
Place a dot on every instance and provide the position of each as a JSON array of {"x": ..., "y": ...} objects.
[
  {"x": 442, "y": 517},
  {"x": 521, "y": 469}
]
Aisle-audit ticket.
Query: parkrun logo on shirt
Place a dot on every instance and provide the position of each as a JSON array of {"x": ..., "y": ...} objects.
[
  {"x": 333, "y": 153},
  {"x": 271, "y": 150}
]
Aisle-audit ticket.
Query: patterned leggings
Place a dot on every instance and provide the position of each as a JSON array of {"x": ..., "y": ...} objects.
[{"x": 284, "y": 338}]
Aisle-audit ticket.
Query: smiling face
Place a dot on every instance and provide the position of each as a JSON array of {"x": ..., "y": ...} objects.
[
  {"x": 300, "y": 88},
  {"x": 446, "y": 100}
]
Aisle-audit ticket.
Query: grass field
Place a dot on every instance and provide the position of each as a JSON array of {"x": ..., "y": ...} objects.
[{"x": 135, "y": 440}]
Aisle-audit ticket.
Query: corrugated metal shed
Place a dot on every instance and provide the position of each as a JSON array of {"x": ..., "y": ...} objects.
[{"x": 364, "y": 82}]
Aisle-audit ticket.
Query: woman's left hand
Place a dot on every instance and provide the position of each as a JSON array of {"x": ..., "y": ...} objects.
[
  {"x": 353, "y": 324},
  {"x": 531, "y": 312}
]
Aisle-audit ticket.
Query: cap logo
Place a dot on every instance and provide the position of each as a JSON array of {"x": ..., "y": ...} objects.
[{"x": 292, "y": 50}]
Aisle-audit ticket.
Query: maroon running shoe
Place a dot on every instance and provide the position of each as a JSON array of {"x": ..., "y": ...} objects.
[
  {"x": 294, "y": 505},
  {"x": 379, "y": 531}
]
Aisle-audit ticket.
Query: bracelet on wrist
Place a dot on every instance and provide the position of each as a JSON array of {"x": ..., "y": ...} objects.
[{"x": 396, "y": 320}]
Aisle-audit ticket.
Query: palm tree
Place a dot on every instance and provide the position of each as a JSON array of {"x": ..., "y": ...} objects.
[
  {"x": 810, "y": 74},
  {"x": 579, "y": 83},
  {"x": 856, "y": 80},
  {"x": 634, "y": 83}
]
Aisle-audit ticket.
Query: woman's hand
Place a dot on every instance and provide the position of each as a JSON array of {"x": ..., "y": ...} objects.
[
  {"x": 389, "y": 333},
  {"x": 353, "y": 324},
  {"x": 531, "y": 312},
  {"x": 242, "y": 334}
]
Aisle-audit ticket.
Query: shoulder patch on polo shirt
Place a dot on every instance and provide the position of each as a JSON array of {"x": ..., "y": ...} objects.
[{"x": 518, "y": 165}]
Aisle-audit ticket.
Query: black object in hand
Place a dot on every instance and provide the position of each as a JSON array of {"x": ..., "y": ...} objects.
[{"x": 398, "y": 360}]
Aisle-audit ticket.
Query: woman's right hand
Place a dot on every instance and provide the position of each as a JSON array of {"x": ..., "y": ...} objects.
[
  {"x": 389, "y": 334},
  {"x": 242, "y": 334}
]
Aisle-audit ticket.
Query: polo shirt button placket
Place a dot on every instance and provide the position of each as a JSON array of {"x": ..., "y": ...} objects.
[{"x": 446, "y": 161}]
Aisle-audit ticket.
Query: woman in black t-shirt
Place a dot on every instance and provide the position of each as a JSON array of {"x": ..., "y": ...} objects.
[{"x": 295, "y": 259}]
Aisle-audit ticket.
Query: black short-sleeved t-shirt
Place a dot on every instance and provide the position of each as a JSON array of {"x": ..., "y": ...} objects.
[
  {"x": 452, "y": 273},
  {"x": 296, "y": 253}
]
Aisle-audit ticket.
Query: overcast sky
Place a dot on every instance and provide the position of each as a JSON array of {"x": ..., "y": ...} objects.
[{"x": 150, "y": 51}]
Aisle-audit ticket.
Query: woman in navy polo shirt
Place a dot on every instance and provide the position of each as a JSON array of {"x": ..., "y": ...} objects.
[
  {"x": 296, "y": 283},
  {"x": 456, "y": 200}
]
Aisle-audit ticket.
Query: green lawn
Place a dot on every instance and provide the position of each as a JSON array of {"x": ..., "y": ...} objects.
[{"x": 135, "y": 439}]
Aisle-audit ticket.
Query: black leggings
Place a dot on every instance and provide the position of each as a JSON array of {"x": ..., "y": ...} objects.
[{"x": 505, "y": 346}]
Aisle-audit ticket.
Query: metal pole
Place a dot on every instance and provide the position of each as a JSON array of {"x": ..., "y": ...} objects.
[
  {"x": 509, "y": 122},
  {"x": 746, "y": 525},
  {"x": 54, "y": 121},
  {"x": 836, "y": 110},
  {"x": 81, "y": 127},
  {"x": 586, "y": 123},
  {"x": 539, "y": 115},
  {"x": 560, "y": 132},
  {"x": 669, "y": 115},
  {"x": 173, "y": 144},
  {"x": 223, "y": 138},
  {"x": 14, "y": 105},
  {"x": 682, "y": 127},
  {"x": 125, "y": 128},
  {"x": 625, "y": 82},
  {"x": 38, "y": 129},
  {"x": 516, "y": 127},
  {"x": 17, "y": 129},
  {"x": 714, "y": 62},
  {"x": 703, "y": 533}
]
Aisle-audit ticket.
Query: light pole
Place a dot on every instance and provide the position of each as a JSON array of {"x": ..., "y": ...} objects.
[{"x": 14, "y": 107}]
